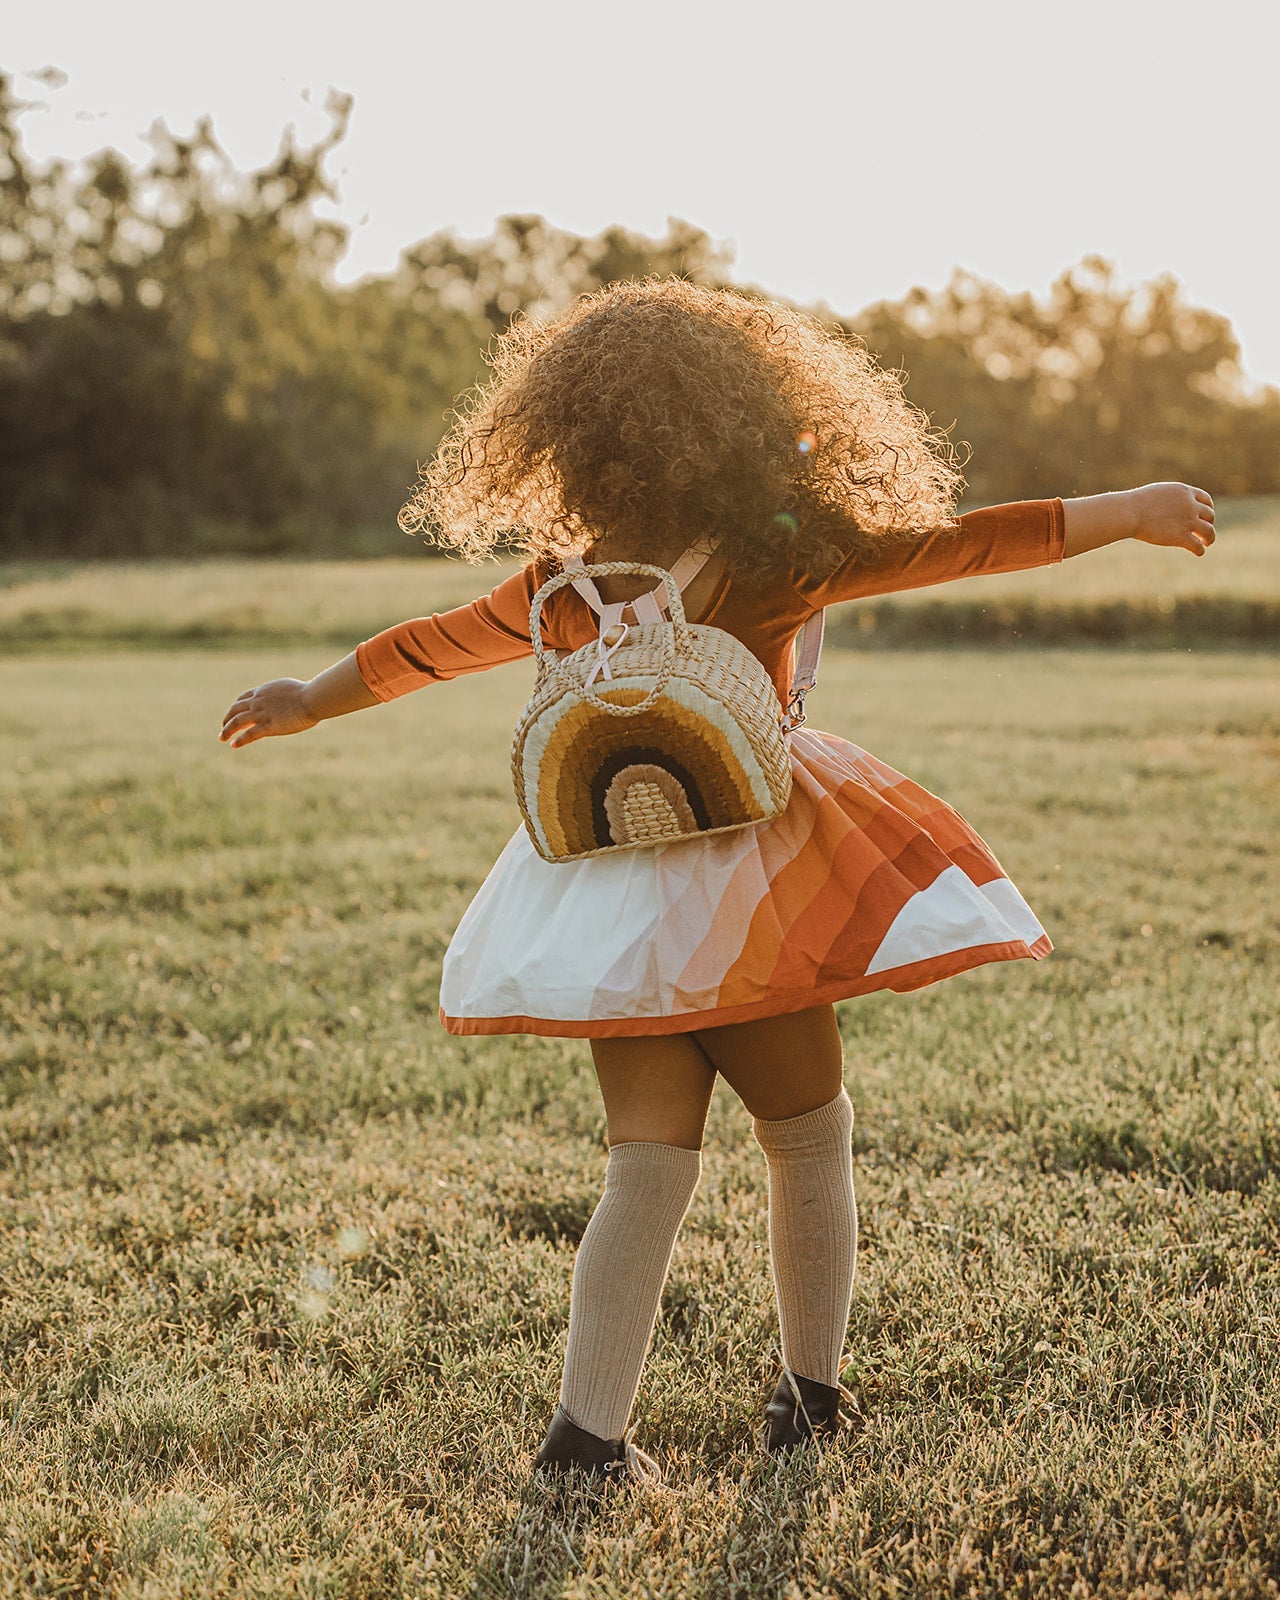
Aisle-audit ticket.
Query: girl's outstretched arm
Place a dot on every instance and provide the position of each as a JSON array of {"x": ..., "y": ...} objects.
[
  {"x": 1159, "y": 513},
  {"x": 486, "y": 633},
  {"x": 1013, "y": 538},
  {"x": 288, "y": 705}
]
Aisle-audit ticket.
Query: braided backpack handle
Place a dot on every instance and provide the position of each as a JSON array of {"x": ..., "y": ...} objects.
[{"x": 675, "y": 634}]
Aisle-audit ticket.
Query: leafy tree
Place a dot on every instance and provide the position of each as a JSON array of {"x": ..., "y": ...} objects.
[
  {"x": 528, "y": 265},
  {"x": 1097, "y": 387},
  {"x": 180, "y": 371},
  {"x": 173, "y": 350}
]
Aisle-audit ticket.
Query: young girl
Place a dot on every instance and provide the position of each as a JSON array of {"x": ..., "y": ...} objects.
[{"x": 652, "y": 422}]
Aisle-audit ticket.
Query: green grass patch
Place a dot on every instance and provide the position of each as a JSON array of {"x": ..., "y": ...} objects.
[{"x": 286, "y": 1269}]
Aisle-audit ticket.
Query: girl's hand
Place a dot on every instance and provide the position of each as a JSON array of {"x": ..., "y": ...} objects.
[
  {"x": 270, "y": 710},
  {"x": 1173, "y": 514}
]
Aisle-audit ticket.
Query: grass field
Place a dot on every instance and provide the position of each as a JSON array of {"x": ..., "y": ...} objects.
[
  {"x": 1128, "y": 592},
  {"x": 286, "y": 1269}
]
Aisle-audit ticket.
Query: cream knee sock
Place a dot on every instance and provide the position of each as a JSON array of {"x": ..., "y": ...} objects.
[
  {"x": 617, "y": 1280},
  {"x": 813, "y": 1233}
]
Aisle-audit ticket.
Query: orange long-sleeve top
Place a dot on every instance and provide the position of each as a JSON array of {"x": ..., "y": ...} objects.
[{"x": 495, "y": 628}]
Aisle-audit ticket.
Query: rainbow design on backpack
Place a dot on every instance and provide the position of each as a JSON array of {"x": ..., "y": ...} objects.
[{"x": 588, "y": 781}]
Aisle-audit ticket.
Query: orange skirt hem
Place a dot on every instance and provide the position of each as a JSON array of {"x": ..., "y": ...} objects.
[{"x": 901, "y": 980}]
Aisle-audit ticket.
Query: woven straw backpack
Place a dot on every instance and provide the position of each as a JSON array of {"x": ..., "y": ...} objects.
[{"x": 684, "y": 736}]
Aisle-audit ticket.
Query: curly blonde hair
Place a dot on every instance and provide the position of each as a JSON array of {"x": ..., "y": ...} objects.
[{"x": 658, "y": 413}]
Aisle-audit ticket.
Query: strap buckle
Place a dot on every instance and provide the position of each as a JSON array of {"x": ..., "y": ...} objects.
[{"x": 795, "y": 717}]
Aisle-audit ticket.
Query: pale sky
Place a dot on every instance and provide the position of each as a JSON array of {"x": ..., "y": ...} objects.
[{"x": 847, "y": 151}]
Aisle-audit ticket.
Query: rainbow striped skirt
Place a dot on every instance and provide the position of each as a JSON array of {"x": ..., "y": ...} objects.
[{"x": 866, "y": 881}]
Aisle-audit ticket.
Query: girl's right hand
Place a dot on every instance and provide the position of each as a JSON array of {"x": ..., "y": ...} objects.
[
  {"x": 267, "y": 712},
  {"x": 1173, "y": 514}
]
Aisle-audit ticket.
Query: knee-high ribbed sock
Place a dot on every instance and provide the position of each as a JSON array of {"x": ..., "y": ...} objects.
[
  {"x": 813, "y": 1233},
  {"x": 617, "y": 1280}
]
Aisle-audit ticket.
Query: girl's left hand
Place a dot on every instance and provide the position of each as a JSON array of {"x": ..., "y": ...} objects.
[
  {"x": 272, "y": 709},
  {"x": 1173, "y": 514}
]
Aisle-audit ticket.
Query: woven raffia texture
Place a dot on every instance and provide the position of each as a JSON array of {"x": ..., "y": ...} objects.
[{"x": 707, "y": 755}]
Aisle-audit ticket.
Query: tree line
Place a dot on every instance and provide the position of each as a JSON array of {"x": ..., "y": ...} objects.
[{"x": 181, "y": 373}]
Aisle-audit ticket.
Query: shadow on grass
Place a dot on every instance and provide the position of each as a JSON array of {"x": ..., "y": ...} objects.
[
  {"x": 741, "y": 1526},
  {"x": 764, "y": 1546},
  {"x": 542, "y": 1543}
]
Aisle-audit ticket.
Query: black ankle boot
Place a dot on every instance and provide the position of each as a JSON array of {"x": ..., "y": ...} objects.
[
  {"x": 801, "y": 1410},
  {"x": 568, "y": 1447}
]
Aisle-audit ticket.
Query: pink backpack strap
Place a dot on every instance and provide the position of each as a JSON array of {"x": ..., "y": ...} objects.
[
  {"x": 652, "y": 607},
  {"x": 688, "y": 567},
  {"x": 805, "y": 676},
  {"x": 649, "y": 607},
  {"x": 584, "y": 586}
]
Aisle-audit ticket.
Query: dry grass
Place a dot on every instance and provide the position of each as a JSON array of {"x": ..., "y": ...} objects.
[
  {"x": 226, "y": 601},
  {"x": 1127, "y": 590},
  {"x": 286, "y": 1270}
]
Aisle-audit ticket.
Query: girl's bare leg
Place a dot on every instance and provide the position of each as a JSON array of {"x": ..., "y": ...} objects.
[
  {"x": 655, "y": 1089},
  {"x": 788, "y": 1073},
  {"x": 779, "y": 1067}
]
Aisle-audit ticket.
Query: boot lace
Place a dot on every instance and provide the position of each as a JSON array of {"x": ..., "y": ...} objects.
[
  {"x": 634, "y": 1463},
  {"x": 802, "y": 1410}
]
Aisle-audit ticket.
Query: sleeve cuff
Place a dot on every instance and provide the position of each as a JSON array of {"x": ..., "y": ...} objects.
[
  {"x": 1057, "y": 532},
  {"x": 365, "y": 667}
]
